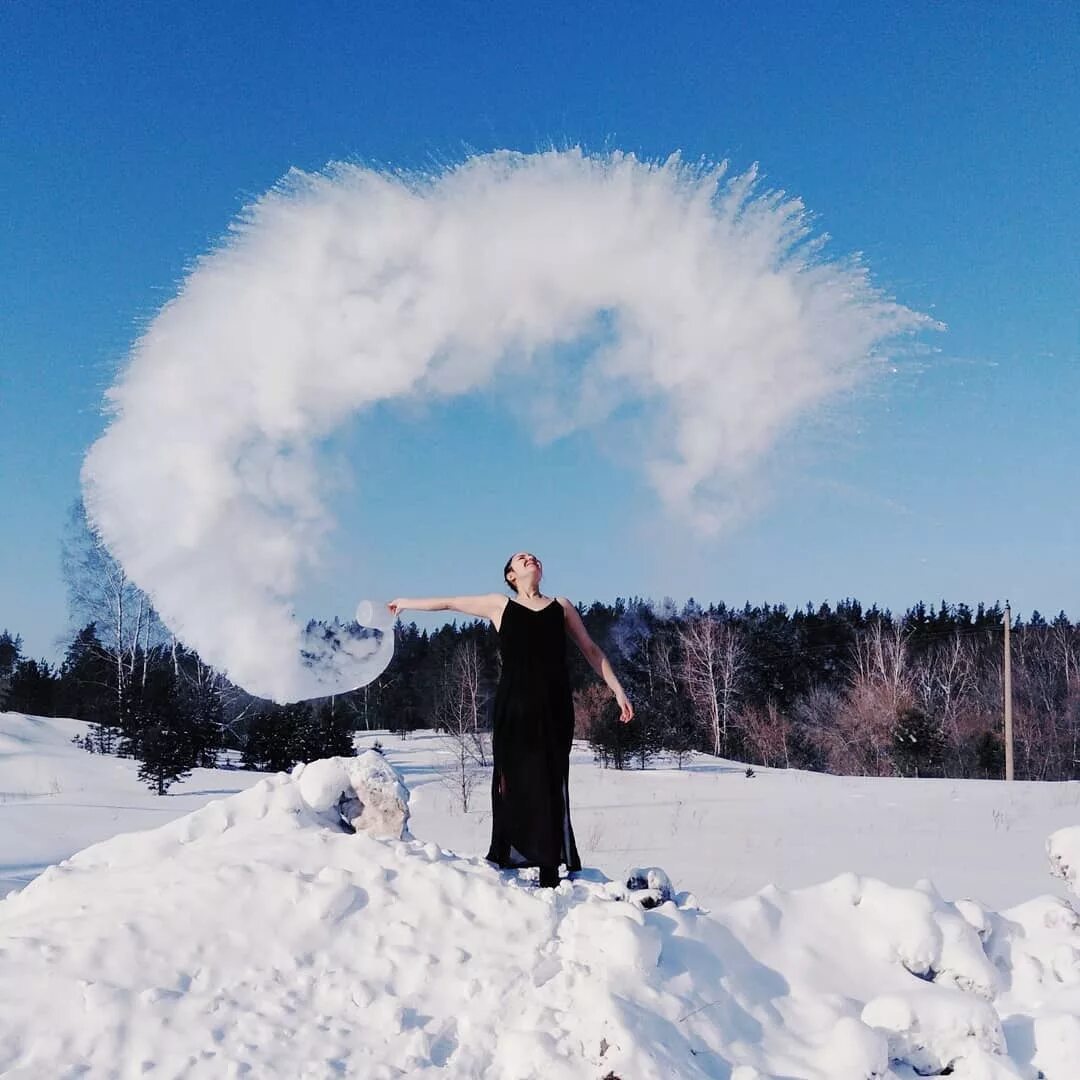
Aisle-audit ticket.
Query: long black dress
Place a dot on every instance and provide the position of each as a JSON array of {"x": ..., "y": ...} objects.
[{"x": 533, "y": 728}]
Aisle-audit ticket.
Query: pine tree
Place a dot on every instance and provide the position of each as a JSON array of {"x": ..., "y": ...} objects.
[
  {"x": 612, "y": 741},
  {"x": 85, "y": 690},
  {"x": 677, "y": 734},
  {"x": 990, "y": 755},
  {"x": 277, "y": 736},
  {"x": 918, "y": 745},
  {"x": 33, "y": 688},
  {"x": 10, "y": 655},
  {"x": 334, "y": 732},
  {"x": 164, "y": 744}
]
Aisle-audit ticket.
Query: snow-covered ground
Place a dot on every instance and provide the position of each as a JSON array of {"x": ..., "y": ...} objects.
[
  {"x": 723, "y": 835},
  {"x": 56, "y": 799},
  {"x": 254, "y": 937}
]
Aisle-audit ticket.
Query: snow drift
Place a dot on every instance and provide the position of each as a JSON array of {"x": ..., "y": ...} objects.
[
  {"x": 693, "y": 302},
  {"x": 258, "y": 937}
]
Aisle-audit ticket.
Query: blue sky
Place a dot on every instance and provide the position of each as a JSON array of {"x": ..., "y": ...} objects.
[{"x": 940, "y": 140}]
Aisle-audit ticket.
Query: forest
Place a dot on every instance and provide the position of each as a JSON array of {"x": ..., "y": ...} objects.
[{"x": 838, "y": 687}]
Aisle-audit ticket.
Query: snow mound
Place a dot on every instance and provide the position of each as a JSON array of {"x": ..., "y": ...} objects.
[
  {"x": 648, "y": 886},
  {"x": 366, "y": 792},
  {"x": 56, "y": 799},
  {"x": 261, "y": 936},
  {"x": 1063, "y": 850}
]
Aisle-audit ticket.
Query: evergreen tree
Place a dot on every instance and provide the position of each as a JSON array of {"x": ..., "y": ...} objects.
[
  {"x": 646, "y": 732},
  {"x": 10, "y": 655},
  {"x": 611, "y": 741},
  {"x": 281, "y": 735},
  {"x": 85, "y": 690},
  {"x": 918, "y": 745},
  {"x": 333, "y": 732},
  {"x": 276, "y": 737},
  {"x": 33, "y": 689},
  {"x": 164, "y": 740},
  {"x": 403, "y": 689},
  {"x": 990, "y": 755}
]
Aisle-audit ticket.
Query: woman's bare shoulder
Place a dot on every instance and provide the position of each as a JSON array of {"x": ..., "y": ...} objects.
[{"x": 496, "y": 603}]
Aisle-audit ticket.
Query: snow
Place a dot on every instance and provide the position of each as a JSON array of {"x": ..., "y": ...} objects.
[
  {"x": 254, "y": 936},
  {"x": 723, "y": 836},
  {"x": 55, "y": 798},
  {"x": 1063, "y": 848},
  {"x": 365, "y": 791}
]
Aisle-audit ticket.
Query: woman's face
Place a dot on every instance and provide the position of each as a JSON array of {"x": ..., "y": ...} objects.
[{"x": 525, "y": 564}]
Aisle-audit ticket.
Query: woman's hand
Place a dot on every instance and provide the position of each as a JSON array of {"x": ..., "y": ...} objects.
[
  {"x": 397, "y": 607},
  {"x": 626, "y": 710}
]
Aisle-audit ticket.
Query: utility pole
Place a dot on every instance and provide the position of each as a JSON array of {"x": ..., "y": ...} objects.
[{"x": 1008, "y": 695}]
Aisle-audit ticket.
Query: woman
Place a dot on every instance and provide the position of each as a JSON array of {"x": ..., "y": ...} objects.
[{"x": 533, "y": 716}]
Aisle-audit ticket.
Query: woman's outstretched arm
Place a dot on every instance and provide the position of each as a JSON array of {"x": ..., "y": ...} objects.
[
  {"x": 595, "y": 655},
  {"x": 488, "y": 606}
]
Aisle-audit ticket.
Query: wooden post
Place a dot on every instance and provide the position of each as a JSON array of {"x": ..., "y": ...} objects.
[{"x": 1008, "y": 695}]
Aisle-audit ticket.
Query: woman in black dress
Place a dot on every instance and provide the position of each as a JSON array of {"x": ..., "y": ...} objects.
[{"x": 533, "y": 716}]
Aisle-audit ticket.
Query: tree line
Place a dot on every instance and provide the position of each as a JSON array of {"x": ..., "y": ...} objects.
[{"x": 838, "y": 688}]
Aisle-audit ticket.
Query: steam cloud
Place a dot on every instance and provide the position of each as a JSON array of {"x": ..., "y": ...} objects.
[{"x": 696, "y": 298}]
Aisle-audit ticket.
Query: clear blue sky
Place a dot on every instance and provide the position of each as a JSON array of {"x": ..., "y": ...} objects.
[{"x": 942, "y": 140}]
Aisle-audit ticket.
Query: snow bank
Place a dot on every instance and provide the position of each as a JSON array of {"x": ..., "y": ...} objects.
[
  {"x": 56, "y": 799},
  {"x": 366, "y": 792},
  {"x": 258, "y": 935},
  {"x": 1063, "y": 850}
]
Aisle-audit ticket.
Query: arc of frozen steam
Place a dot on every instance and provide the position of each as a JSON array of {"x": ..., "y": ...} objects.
[{"x": 338, "y": 290}]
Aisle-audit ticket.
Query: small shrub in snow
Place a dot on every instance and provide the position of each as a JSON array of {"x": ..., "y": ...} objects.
[{"x": 749, "y": 774}]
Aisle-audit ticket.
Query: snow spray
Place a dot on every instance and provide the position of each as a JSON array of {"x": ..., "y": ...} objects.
[{"x": 339, "y": 290}]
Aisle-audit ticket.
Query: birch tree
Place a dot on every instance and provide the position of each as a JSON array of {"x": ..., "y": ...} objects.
[
  {"x": 99, "y": 591},
  {"x": 713, "y": 662},
  {"x": 463, "y": 705}
]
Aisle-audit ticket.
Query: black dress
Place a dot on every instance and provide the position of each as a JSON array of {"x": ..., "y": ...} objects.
[{"x": 533, "y": 725}]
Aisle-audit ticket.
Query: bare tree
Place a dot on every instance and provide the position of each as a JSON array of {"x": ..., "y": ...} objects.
[
  {"x": 713, "y": 662},
  {"x": 590, "y": 704},
  {"x": 460, "y": 710},
  {"x": 856, "y": 737},
  {"x": 854, "y": 731},
  {"x": 1040, "y": 694},
  {"x": 767, "y": 732},
  {"x": 944, "y": 681},
  {"x": 882, "y": 661},
  {"x": 99, "y": 591},
  {"x": 1066, "y": 646},
  {"x": 663, "y": 666}
]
